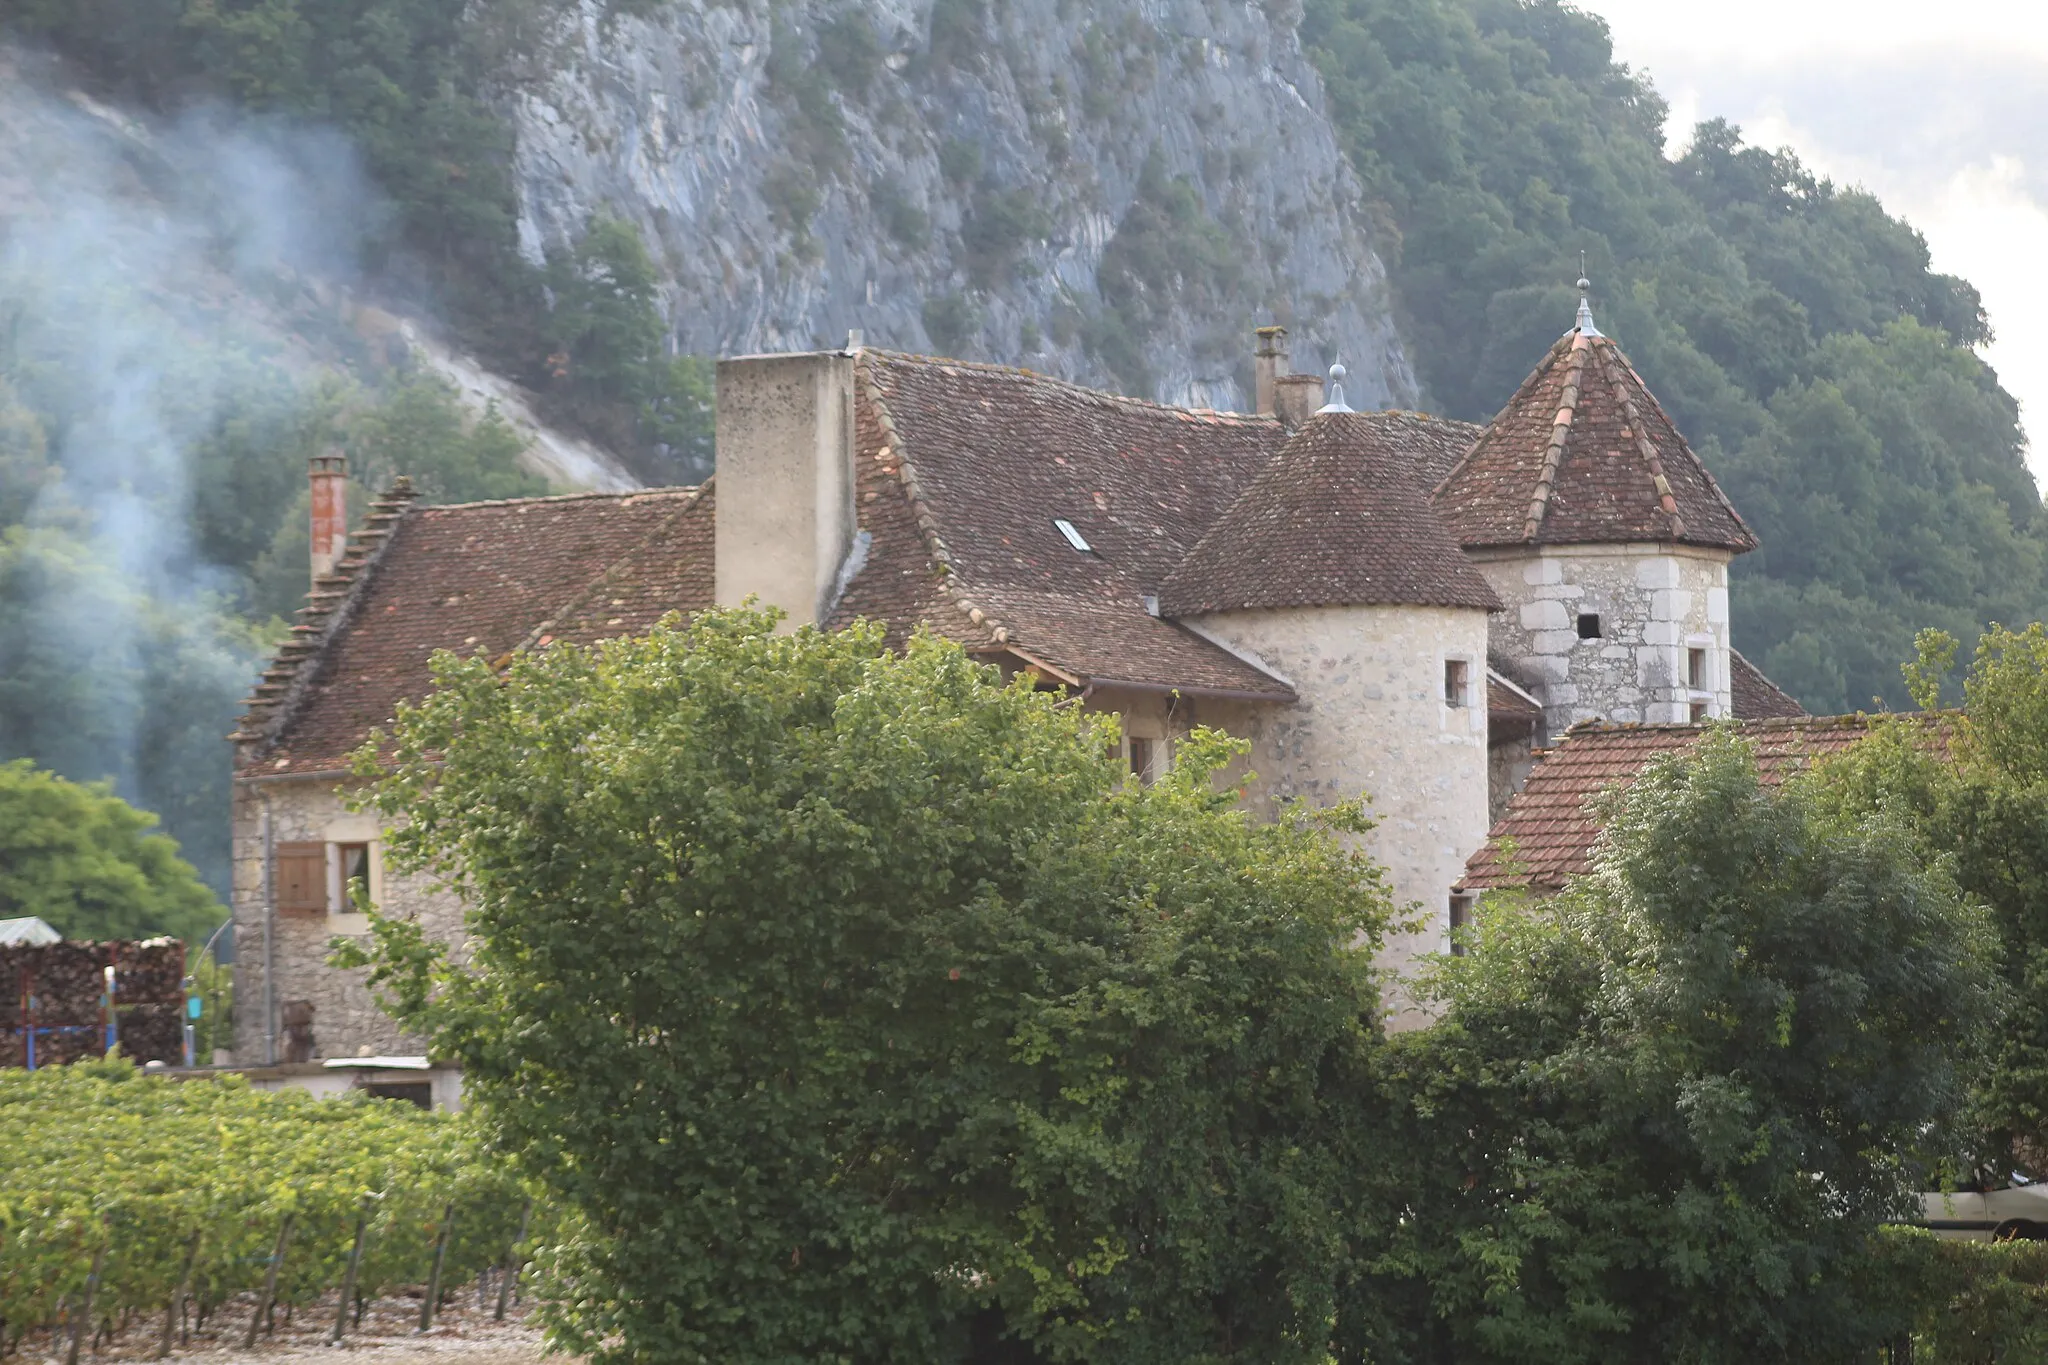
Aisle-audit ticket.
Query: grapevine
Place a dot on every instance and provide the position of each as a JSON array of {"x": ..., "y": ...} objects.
[{"x": 101, "y": 1156}]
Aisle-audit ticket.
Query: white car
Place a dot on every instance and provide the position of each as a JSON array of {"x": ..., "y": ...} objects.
[{"x": 2016, "y": 1214}]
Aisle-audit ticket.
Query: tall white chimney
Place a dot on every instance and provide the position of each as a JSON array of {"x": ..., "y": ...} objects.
[{"x": 784, "y": 494}]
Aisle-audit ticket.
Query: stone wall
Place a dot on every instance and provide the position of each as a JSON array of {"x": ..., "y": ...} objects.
[
  {"x": 346, "y": 1020},
  {"x": 1373, "y": 722},
  {"x": 1655, "y": 604}
]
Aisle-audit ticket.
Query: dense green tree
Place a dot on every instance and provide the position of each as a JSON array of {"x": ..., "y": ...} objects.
[
  {"x": 1976, "y": 791},
  {"x": 91, "y": 865},
  {"x": 418, "y": 427},
  {"x": 1794, "y": 329},
  {"x": 875, "y": 1014},
  {"x": 1665, "y": 1111}
]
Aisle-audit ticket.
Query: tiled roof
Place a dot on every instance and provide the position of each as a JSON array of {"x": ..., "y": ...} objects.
[
  {"x": 488, "y": 578},
  {"x": 1584, "y": 455},
  {"x": 1756, "y": 697},
  {"x": 979, "y": 460},
  {"x": 1340, "y": 517},
  {"x": 1550, "y": 826}
]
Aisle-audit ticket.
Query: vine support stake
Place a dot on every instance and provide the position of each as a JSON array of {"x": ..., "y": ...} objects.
[
  {"x": 284, "y": 1237},
  {"x": 440, "y": 1258},
  {"x": 348, "y": 1279},
  {"x": 512, "y": 1264},
  {"x": 92, "y": 1287},
  {"x": 176, "y": 1310}
]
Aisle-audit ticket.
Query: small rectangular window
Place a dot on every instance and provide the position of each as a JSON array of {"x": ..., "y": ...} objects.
[
  {"x": 1589, "y": 625},
  {"x": 355, "y": 867},
  {"x": 1696, "y": 669},
  {"x": 1699, "y": 712},
  {"x": 1456, "y": 677},
  {"x": 1141, "y": 759},
  {"x": 1073, "y": 535},
  {"x": 1461, "y": 916}
]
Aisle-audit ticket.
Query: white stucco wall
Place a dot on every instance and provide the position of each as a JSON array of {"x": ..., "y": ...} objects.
[
  {"x": 346, "y": 1019},
  {"x": 1373, "y": 722},
  {"x": 1655, "y": 603}
]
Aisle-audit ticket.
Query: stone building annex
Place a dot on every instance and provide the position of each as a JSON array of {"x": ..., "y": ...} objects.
[{"x": 1383, "y": 603}]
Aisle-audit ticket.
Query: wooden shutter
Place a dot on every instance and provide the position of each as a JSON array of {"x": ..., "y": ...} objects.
[{"x": 301, "y": 879}]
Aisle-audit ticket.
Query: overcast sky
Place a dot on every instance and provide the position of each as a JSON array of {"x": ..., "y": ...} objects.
[{"x": 1941, "y": 109}]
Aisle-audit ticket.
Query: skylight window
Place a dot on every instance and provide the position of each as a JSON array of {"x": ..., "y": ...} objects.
[{"x": 1074, "y": 537}]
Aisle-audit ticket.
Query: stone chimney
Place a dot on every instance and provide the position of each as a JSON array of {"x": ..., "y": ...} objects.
[
  {"x": 1269, "y": 362},
  {"x": 785, "y": 480},
  {"x": 1296, "y": 398},
  {"x": 328, "y": 475}
]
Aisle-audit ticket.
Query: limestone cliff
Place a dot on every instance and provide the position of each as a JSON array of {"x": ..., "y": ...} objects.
[{"x": 1112, "y": 192}]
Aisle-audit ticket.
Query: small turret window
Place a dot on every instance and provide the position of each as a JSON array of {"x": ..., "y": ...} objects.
[
  {"x": 1696, "y": 669},
  {"x": 1074, "y": 537},
  {"x": 1456, "y": 677},
  {"x": 1589, "y": 625}
]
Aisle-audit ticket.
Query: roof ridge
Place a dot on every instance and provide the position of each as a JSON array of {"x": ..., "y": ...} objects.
[
  {"x": 1102, "y": 396},
  {"x": 1657, "y": 406},
  {"x": 588, "y": 495},
  {"x": 1534, "y": 376},
  {"x": 1560, "y": 433},
  {"x": 1666, "y": 502},
  {"x": 331, "y": 602},
  {"x": 950, "y": 582},
  {"x": 540, "y": 634}
]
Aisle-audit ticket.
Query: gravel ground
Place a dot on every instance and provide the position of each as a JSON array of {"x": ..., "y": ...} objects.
[{"x": 463, "y": 1334}]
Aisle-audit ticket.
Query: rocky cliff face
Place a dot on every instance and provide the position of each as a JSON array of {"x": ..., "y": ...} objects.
[{"x": 1113, "y": 192}]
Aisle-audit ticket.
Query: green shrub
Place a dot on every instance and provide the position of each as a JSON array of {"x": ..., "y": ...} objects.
[
  {"x": 960, "y": 162},
  {"x": 959, "y": 30},
  {"x": 849, "y": 53},
  {"x": 1001, "y": 225},
  {"x": 903, "y": 220},
  {"x": 950, "y": 319}
]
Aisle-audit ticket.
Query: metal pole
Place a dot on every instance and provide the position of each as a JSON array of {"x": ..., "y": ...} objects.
[
  {"x": 177, "y": 1308},
  {"x": 284, "y": 1237},
  {"x": 212, "y": 939},
  {"x": 512, "y": 1264},
  {"x": 427, "y": 1304},
  {"x": 348, "y": 1279},
  {"x": 92, "y": 1285}
]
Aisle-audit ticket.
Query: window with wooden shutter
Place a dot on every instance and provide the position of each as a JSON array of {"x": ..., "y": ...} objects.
[{"x": 301, "y": 879}]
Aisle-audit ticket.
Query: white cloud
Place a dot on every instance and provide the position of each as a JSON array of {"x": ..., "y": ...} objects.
[{"x": 1940, "y": 110}]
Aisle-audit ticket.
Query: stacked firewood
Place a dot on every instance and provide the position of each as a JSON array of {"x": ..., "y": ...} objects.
[{"x": 61, "y": 988}]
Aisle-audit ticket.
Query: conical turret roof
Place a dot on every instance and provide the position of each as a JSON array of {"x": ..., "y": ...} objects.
[
  {"x": 1584, "y": 455},
  {"x": 1340, "y": 517}
]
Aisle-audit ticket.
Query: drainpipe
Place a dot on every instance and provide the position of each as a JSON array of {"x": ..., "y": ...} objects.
[{"x": 269, "y": 939}]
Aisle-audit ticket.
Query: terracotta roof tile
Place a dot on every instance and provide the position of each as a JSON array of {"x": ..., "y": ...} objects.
[
  {"x": 1551, "y": 825},
  {"x": 1754, "y": 696},
  {"x": 1584, "y": 454},
  {"x": 983, "y": 458},
  {"x": 1340, "y": 517},
  {"x": 490, "y": 578}
]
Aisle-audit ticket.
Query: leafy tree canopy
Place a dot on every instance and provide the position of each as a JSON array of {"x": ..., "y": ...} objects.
[
  {"x": 1794, "y": 329},
  {"x": 91, "y": 865},
  {"x": 1665, "y": 1113},
  {"x": 1975, "y": 790},
  {"x": 866, "y": 1010}
]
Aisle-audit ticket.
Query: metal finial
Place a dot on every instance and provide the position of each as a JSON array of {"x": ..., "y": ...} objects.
[
  {"x": 1336, "y": 403},
  {"x": 1585, "y": 322}
]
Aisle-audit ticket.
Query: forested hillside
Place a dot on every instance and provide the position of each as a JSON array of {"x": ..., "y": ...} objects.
[
  {"x": 152, "y": 437},
  {"x": 1792, "y": 327}
]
